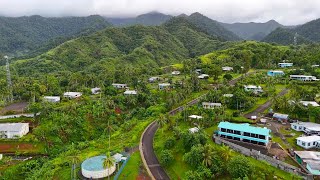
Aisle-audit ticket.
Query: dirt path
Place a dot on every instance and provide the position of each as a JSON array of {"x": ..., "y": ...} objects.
[{"x": 15, "y": 107}]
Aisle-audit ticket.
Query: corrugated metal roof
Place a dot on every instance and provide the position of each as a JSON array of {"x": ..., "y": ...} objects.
[
  {"x": 12, "y": 126},
  {"x": 245, "y": 128}
]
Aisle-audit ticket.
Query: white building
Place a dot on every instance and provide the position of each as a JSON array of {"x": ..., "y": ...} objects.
[
  {"x": 280, "y": 117},
  {"x": 252, "y": 88},
  {"x": 96, "y": 90},
  {"x": 153, "y": 79},
  {"x": 227, "y": 68},
  {"x": 13, "y": 130},
  {"x": 175, "y": 72},
  {"x": 307, "y": 103},
  {"x": 310, "y": 160},
  {"x": 284, "y": 65},
  {"x": 130, "y": 92},
  {"x": 164, "y": 86},
  {"x": 309, "y": 128},
  {"x": 303, "y": 78},
  {"x": 309, "y": 142},
  {"x": 203, "y": 76},
  {"x": 228, "y": 95},
  {"x": 195, "y": 117},
  {"x": 209, "y": 105},
  {"x": 119, "y": 86},
  {"x": 315, "y": 66},
  {"x": 194, "y": 130},
  {"x": 52, "y": 99},
  {"x": 18, "y": 115},
  {"x": 72, "y": 95}
]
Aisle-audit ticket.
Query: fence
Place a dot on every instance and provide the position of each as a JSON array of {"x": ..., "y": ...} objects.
[
  {"x": 257, "y": 155},
  {"x": 121, "y": 168}
]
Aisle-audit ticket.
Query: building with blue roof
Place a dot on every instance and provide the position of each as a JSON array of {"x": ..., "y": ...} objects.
[
  {"x": 274, "y": 73},
  {"x": 244, "y": 133}
]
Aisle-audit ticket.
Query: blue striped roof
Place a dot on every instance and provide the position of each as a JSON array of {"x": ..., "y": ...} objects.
[{"x": 245, "y": 128}]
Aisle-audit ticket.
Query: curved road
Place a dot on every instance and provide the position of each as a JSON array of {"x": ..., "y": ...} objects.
[{"x": 148, "y": 156}]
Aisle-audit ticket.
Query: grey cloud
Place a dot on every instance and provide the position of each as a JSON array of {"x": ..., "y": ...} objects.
[{"x": 289, "y": 12}]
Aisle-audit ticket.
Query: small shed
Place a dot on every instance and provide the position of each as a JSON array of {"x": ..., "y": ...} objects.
[
  {"x": 51, "y": 99},
  {"x": 164, "y": 86},
  {"x": 209, "y": 105},
  {"x": 203, "y": 76},
  {"x": 72, "y": 95},
  {"x": 96, "y": 90},
  {"x": 175, "y": 72},
  {"x": 130, "y": 92},
  {"x": 195, "y": 117},
  {"x": 280, "y": 117},
  {"x": 194, "y": 130}
]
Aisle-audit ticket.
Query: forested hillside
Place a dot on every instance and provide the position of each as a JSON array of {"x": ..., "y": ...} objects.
[
  {"x": 285, "y": 37},
  {"x": 23, "y": 34},
  {"x": 310, "y": 30},
  {"x": 152, "y": 18},
  {"x": 252, "y": 30},
  {"x": 212, "y": 27}
]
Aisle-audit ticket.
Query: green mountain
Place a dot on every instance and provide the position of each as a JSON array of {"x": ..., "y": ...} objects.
[
  {"x": 212, "y": 27},
  {"x": 285, "y": 37},
  {"x": 23, "y": 34},
  {"x": 150, "y": 19},
  {"x": 310, "y": 30},
  {"x": 252, "y": 30}
]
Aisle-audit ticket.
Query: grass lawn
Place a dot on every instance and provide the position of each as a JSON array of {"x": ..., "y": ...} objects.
[{"x": 131, "y": 170}]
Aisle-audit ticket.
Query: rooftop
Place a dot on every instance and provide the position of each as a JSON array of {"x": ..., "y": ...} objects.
[
  {"x": 211, "y": 104},
  {"x": 309, "y": 138},
  {"x": 312, "y": 103},
  {"x": 12, "y": 126},
  {"x": 245, "y": 127},
  {"x": 310, "y": 155},
  {"x": 195, "y": 117}
]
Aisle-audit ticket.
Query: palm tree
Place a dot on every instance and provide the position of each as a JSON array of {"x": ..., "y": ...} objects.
[
  {"x": 108, "y": 162},
  {"x": 226, "y": 152},
  {"x": 207, "y": 155},
  {"x": 162, "y": 120}
]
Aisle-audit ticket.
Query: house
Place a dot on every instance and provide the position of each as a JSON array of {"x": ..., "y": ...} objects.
[
  {"x": 284, "y": 65},
  {"x": 228, "y": 95},
  {"x": 280, "y": 117},
  {"x": 252, "y": 88},
  {"x": 119, "y": 86},
  {"x": 198, "y": 71},
  {"x": 194, "y": 130},
  {"x": 164, "y": 86},
  {"x": 96, "y": 90},
  {"x": 307, "y": 103},
  {"x": 153, "y": 79},
  {"x": 175, "y": 73},
  {"x": 303, "y": 78},
  {"x": 19, "y": 115},
  {"x": 310, "y": 160},
  {"x": 227, "y": 68},
  {"x": 130, "y": 92},
  {"x": 308, "y": 128},
  {"x": 52, "y": 99},
  {"x": 244, "y": 132},
  {"x": 315, "y": 66},
  {"x": 274, "y": 73},
  {"x": 309, "y": 142},
  {"x": 72, "y": 95},
  {"x": 203, "y": 76},
  {"x": 13, "y": 130},
  {"x": 195, "y": 117},
  {"x": 209, "y": 105}
]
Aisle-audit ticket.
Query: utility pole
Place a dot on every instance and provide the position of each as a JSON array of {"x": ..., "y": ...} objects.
[{"x": 9, "y": 79}]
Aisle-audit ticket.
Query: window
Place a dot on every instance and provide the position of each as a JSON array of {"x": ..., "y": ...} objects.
[
  {"x": 229, "y": 137},
  {"x": 303, "y": 144},
  {"x": 309, "y": 144},
  {"x": 235, "y": 138},
  {"x": 246, "y": 134},
  {"x": 314, "y": 143},
  {"x": 237, "y": 132},
  {"x": 246, "y": 140},
  {"x": 229, "y": 131},
  {"x": 223, "y": 129}
]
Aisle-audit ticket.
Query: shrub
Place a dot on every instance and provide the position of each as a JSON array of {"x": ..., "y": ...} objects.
[
  {"x": 166, "y": 157},
  {"x": 169, "y": 143}
]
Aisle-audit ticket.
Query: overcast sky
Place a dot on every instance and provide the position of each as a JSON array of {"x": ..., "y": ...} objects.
[{"x": 288, "y": 12}]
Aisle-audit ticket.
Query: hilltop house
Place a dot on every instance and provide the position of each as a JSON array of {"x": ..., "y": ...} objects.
[
  {"x": 203, "y": 76},
  {"x": 175, "y": 73},
  {"x": 308, "y": 128},
  {"x": 307, "y": 103},
  {"x": 163, "y": 86},
  {"x": 13, "y": 130},
  {"x": 244, "y": 133},
  {"x": 130, "y": 92},
  {"x": 227, "y": 68},
  {"x": 195, "y": 117},
  {"x": 280, "y": 117},
  {"x": 153, "y": 79},
  {"x": 119, "y": 86},
  {"x": 303, "y": 78},
  {"x": 209, "y": 105},
  {"x": 96, "y": 90},
  {"x": 274, "y": 73},
  {"x": 309, "y": 142},
  {"x": 252, "y": 88},
  {"x": 284, "y": 65},
  {"x": 52, "y": 99},
  {"x": 310, "y": 160},
  {"x": 72, "y": 95}
]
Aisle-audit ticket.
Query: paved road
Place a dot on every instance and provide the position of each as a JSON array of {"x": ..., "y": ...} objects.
[
  {"x": 151, "y": 160},
  {"x": 149, "y": 155},
  {"x": 264, "y": 106}
]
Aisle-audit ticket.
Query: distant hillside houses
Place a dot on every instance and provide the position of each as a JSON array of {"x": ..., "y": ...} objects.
[
  {"x": 130, "y": 92},
  {"x": 209, "y": 105},
  {"x": 175, "y": 72},
  {"x": 308, "y": 142},
  {"x": 96, "y": 90},
  {"x": 163, "y": 86},
  {"x": 203, "y": 76},
  {"x": 227, "y": 68},
  {"x": 310, "y": 160},
  {"x": 72, "y": 95},
  {"x": 274, "y": 73},
  {"x": 119, "y": 86},
  {"x": 284, "y": 65},
  {"x": 253, "y": 88},
  {"x": 153, "y": 79},
  {"x": 303, "y": 78},
  {"x": 307, "y": 103},
  {"x": 51, "y": 99},
  {"x": 13, "y": 130}
]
